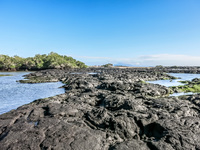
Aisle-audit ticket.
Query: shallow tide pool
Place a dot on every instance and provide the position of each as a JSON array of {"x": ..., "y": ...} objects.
[
  {"x": 14, "y": 94},
  {"x": 182, "y": 76}
]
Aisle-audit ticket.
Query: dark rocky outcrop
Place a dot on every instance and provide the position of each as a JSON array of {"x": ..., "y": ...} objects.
[
  {"x": 178, "y": 69},
  {"x": 113, "y": 109}
]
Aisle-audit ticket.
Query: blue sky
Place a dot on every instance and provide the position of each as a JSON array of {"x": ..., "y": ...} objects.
[{"x": 137, "y": 32}]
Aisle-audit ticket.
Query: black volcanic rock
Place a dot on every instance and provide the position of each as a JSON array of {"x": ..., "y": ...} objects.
[{"x": 111, "y": 110}]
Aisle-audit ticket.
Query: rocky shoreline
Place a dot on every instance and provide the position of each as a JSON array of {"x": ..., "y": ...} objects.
[{"x": 104, "y": 109}]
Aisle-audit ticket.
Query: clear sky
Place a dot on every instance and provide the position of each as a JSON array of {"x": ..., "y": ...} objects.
[{"x": 137, "y": 32}]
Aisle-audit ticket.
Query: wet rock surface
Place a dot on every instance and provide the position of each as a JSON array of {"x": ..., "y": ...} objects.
[{"x": 104, "y": 109}]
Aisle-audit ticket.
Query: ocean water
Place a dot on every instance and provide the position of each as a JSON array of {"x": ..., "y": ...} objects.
[{"x": 14, "y": 94}]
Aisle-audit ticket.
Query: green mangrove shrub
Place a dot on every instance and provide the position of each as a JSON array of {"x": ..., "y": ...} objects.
[{"x": 39, "y": 62}]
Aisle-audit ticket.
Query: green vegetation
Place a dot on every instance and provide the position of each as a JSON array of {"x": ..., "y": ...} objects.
[
  {"x": 187, "y": 88},
  {"x": 159, "y": 67},
  {"x": 108, "y": 65},
  {"x": 190, "y": 86},
  {"x": 165, "y": 78},
  {"x": 39, "y": 62},
  {"x": 184, "y": 82},
  {"x": 1, "y": 75},
  {"x": 169, "y": 78},
  {"x": 143, "y": 82}
]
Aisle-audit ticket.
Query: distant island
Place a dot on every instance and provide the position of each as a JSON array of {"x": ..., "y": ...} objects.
[{"x": 39, "y": 62}]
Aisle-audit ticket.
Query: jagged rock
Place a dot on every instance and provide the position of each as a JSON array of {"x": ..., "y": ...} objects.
[{"x": 111, "y": 110}]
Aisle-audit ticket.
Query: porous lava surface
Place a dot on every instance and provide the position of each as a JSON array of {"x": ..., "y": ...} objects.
[{"x": 104, "y": 109}]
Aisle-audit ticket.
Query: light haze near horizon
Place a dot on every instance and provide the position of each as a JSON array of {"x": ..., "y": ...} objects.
[{"x": 134, "y": 32}]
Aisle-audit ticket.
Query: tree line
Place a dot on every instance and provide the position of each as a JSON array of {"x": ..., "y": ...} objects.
[{"x": 39, "y": 62}]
